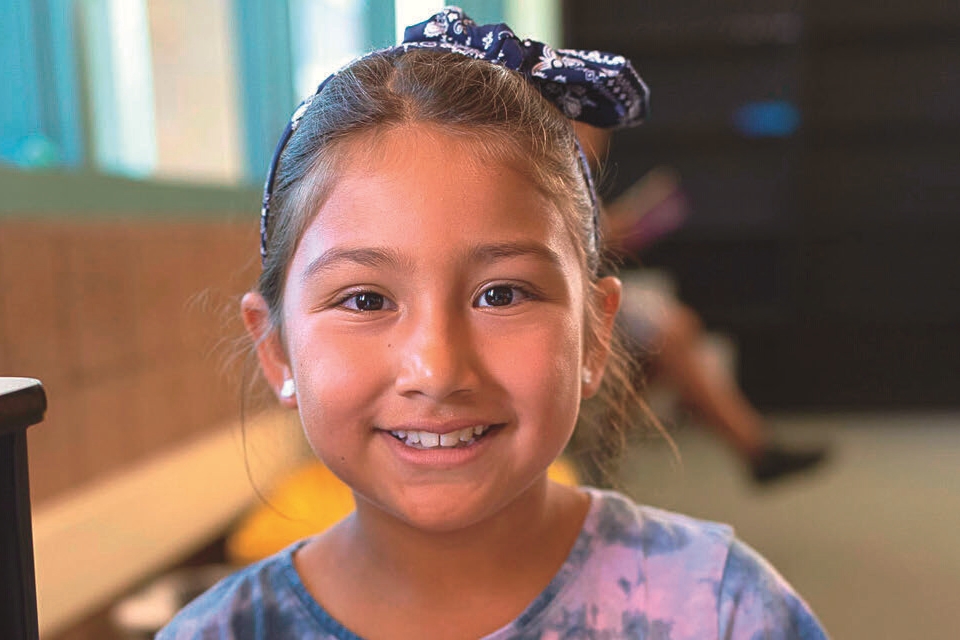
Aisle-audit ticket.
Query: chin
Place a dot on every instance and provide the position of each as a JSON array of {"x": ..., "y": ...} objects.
[
  {"x": 440, "y": 522},
  {"x": 443, "y": 510}
]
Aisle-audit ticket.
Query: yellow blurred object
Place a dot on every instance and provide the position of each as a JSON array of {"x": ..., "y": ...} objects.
[
  {"x": 562, "y": 471},
  {"x": 309, "y": 501}
]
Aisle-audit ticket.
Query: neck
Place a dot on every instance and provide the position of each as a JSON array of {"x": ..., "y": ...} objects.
[
  {"x": 467, "y": 582},
  {"x": 527, "y": 540}
]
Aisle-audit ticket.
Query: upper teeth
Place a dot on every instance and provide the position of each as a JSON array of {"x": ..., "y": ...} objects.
[{"x": 429, "y": 439}]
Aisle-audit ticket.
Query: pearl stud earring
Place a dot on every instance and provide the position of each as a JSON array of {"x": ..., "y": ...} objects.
[
  {"x": 288, "y": 390},
  {"x": 587, "y": 376}
]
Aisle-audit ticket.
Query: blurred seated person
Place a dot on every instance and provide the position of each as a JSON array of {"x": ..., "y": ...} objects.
[{"x": 669, "y": 336}]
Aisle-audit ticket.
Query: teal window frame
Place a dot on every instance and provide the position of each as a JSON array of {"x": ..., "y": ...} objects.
[
  {"x": 265, "y": 67},
  {"x": 483, "y": 11},
  {"x": 41, "y": 119},
  {"x": 379, "y": 26},
  {"x": 266, "y": 72},
  {"x": 42, "y": 95},
  {"x": 43, "y": 110}
]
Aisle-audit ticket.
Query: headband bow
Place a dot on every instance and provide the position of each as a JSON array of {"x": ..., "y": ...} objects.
[{"x": 600, "y": 89}]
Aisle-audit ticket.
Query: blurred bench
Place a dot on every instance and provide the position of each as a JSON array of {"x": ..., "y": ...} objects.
[{"x": 107, "y": 536}]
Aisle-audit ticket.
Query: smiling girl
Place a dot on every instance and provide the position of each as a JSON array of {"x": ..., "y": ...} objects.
[{"x": 432, "y": 304}]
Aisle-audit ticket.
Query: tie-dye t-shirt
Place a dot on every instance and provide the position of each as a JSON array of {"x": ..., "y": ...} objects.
[{"x": 634, "y": 572}]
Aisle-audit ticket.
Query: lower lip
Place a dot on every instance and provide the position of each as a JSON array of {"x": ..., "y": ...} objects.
[{"x": 441, "y": 456}]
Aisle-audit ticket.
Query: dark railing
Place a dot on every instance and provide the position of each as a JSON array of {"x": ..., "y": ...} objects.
[{"x": 22, "y": 403}]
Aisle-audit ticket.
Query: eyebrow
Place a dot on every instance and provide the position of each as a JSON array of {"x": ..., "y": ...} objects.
[
  {"x": 505, "y": 250},
  {"x": 386, "y": 258},
  {"x": 376, "y": 257}
]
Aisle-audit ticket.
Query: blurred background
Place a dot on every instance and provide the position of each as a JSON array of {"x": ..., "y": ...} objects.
[{"x": 817, "y": 147}]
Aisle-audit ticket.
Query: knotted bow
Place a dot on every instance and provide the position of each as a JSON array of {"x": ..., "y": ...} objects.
[{"x": 600, "y": 89}]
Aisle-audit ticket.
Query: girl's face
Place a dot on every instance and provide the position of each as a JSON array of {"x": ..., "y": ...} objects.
[{"x": 434, "y": 327}]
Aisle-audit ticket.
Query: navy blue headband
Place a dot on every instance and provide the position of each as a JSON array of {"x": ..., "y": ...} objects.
[{"x": 597, "y": 88}]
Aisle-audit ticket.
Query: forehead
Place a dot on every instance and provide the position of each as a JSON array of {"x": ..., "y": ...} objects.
[{"x": 427, "y": 190}]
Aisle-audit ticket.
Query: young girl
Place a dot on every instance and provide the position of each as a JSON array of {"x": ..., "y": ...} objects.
[{"x": 431, "y": 303}]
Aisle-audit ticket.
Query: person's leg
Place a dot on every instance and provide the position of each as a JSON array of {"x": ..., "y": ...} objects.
[
  {"x": 707, "y": 390},
  {"x": 711, "y": 392}
]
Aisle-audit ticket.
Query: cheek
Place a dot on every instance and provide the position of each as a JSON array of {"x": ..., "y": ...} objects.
[
  {"x": 544, "y": 370},
  {"x": 338, "y": 383}
]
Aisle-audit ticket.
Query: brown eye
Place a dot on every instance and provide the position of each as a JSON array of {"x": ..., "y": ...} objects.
[
  {"x": 366, "y": 301},
  {"x": 497, "y": 297}
]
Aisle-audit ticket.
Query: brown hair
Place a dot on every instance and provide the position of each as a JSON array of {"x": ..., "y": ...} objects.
[{"x": 487, "y": 104}]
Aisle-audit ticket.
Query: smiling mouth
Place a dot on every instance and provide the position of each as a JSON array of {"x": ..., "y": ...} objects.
[{"x": 430, "y": 440}]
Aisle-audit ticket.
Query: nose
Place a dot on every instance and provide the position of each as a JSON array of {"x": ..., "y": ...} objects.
[{"x": 438, "y": 357}]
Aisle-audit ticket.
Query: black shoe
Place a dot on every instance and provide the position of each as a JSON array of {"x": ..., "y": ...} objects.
[{"x": 777, "y": 462}]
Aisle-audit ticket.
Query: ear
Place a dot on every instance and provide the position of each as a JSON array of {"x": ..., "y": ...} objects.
[
  {"x": 270, "y": 352},
  {"x": 607, "y": 302}
]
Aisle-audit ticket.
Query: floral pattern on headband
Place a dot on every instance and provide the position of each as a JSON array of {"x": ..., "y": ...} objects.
[{"x": 598, "y": 88}]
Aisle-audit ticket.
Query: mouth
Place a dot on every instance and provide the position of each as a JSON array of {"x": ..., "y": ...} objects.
[{"x": 452, "y": 440}]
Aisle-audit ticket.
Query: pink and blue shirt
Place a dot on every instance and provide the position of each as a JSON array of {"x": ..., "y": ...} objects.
[{"x": 635, "y": 572}]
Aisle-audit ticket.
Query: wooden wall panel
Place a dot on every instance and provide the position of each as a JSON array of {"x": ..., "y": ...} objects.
[{"x": 129, "y": 325}]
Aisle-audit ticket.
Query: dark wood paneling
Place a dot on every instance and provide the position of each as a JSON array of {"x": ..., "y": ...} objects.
[{"x": 831, "y": 253}]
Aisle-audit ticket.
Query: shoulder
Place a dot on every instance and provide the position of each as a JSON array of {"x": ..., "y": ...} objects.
[
  {"x": 756, "y": 601},
  {"x": 657, "y": 555},
  {"x": 696, "y": 575},
  {"x": 621, "y": 523},
  {"x": 264, "y": 600}
]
